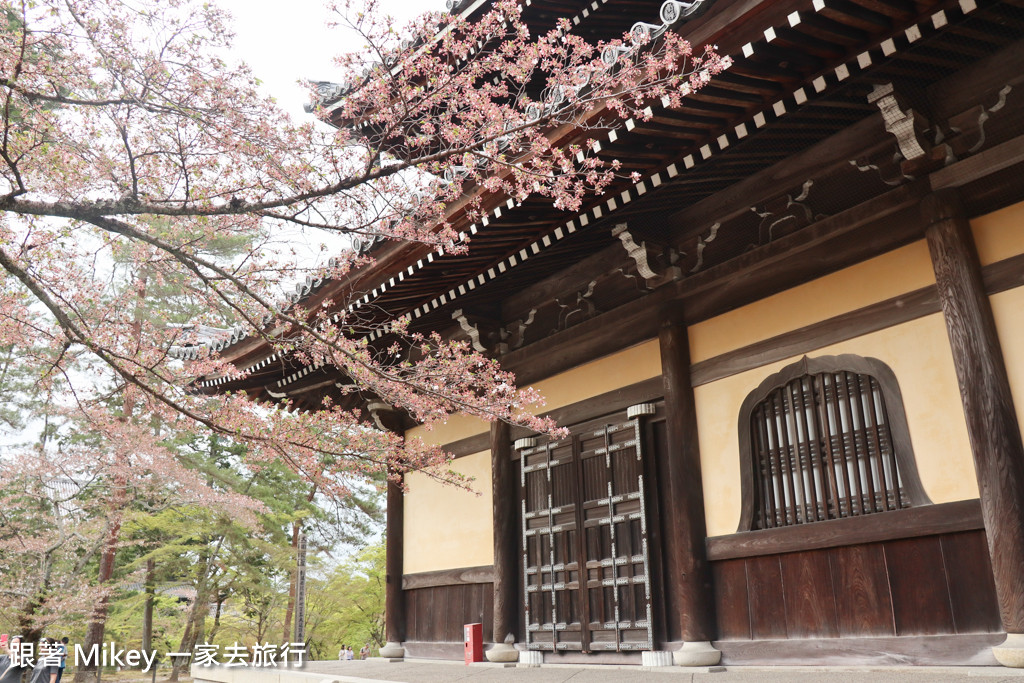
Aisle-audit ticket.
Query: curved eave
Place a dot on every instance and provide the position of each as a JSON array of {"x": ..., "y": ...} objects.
[{"x": 718, "y": 138}]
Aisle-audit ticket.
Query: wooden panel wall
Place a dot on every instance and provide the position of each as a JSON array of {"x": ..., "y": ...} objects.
[
  {"x": 940, "y": 584},
  {"x": 438, "y": 613}
]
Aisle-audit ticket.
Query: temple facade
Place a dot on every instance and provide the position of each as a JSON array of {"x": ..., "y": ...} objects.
[{"x": 790, "y": 359}]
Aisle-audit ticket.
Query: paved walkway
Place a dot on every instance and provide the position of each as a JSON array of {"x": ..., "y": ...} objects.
[{"x": 427, "y": 671}]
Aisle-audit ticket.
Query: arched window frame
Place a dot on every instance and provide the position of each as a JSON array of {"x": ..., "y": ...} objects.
[{"x": 896, "y": 418}]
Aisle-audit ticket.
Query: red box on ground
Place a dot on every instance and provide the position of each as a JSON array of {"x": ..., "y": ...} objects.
[{"x": 474, "y": 642}]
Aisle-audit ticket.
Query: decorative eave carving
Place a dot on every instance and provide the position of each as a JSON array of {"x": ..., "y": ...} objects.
[
  {"x": 905, "y": 124},
  {"x": 485, "y": 334},
  {"x": 639, "y": 254},
  {"x": 470, "y": 329}
]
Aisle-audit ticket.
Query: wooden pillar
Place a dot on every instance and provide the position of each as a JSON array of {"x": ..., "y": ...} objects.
[
  {"x": 394, "y": 604},
  {"x": 394, "y": 600},
  {"x": 689, "y": 574},
  {"x": 506, "y": 547},
  {"x": 985, "y": 391}
]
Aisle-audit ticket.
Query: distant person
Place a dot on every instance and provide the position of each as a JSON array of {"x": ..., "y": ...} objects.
[
  {"x": 47, "y": 662},
  {"x": 63, "y": 645},
  {"x": 349, "y": 655},
  {"x": 10, "y": 663},
  {"x": 343, "y": 652},
  {"x": 364, "y": 652}
]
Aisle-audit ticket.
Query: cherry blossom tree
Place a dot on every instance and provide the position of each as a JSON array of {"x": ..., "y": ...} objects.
[{"x": 125, "y": 133}]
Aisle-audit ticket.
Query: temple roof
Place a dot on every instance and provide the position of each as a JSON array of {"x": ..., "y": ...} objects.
[{"x": 803, "y": 71}]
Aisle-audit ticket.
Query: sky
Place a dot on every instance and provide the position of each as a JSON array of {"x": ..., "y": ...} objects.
[{"x": 287, "y": 41}]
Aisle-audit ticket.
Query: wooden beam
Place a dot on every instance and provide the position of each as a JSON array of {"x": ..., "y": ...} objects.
[
  {"x": 858, "y": 140},
  {"x": 1005, "y": 155},
  {"x": 884, "y": 314},
  {"x": 448, "y": 577},
  {"x": 874, "y": 227},
  {"x": 985, "y": 391},
  {"x": 998, "y": 277},
  {"x": 926, "y": 520},
  {"x": 689, "y": 575},
  {"x": 506, "y": 548},
  {"x": 602, "y": 404}
]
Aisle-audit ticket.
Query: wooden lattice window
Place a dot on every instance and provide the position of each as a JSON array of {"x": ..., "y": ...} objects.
[{"x": 826, "y": 438}]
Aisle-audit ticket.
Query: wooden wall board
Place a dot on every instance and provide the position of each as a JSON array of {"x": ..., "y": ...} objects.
[
  {"x": 767, "y": 601},
  {"x": 437, "y": 614},
  {"x": 931, "y": 585},
  {"x": 967, "y": 564},
  {"x": 732, "y": 605},
  {"x": 859, "y": 577},
  {"x": 809, "y": 596},
  {"x": 919, "y": 587}
]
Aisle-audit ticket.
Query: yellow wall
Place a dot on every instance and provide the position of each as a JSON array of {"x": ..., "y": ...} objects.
[
  {"x": 883, "y": 277},
  {"x": 618, "y": 370},
  {"x": 919, "y": 355},
  {"x": 1008, "y": 310},
  {"x": 457, "y": 427},
  {"x": 446, "y": 527},
  {"x": 1000, "y": 234}
]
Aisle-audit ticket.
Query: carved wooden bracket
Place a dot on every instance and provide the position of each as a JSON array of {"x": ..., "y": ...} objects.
[
  {"x": 513, "y": 335},
  {"x": 785, "y": 214},
  {"x": 908, "y": 126},
  {"x": 642, "y": 256},
  {"x": 484, "y": 333},
  {"x": 905, "y": 124},
  {"x": 469, "y": 328}
]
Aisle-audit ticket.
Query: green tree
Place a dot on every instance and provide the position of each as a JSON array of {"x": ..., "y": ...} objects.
[{"x": 347, "y": 606}]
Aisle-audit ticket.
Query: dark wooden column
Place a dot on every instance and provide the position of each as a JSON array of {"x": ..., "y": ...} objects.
[
  {"x": 985, "y": 391},
  {"x": 689, "y": 575},
  {"x": 394, "y": 601},
  {"x": 506, "y": 548}
]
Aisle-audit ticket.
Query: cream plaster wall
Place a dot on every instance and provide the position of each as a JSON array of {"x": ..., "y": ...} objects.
[
  {"x": 446, "y": 527},
  {"x": 1008, "y": 310},
  {"x": 1000, "y": 234},
  {"x": 618, "y": 370},
  {"x": 919, "y": 355},
  {"x": 457, "y": 427},
  {"x": 883, "y": 277}
]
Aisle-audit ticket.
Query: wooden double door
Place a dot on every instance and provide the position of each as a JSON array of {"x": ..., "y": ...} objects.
[{"x": 586, "y": 568}]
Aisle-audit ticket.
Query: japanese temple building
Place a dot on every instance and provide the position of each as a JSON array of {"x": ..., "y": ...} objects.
[{"x": 791, "y": 358}]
